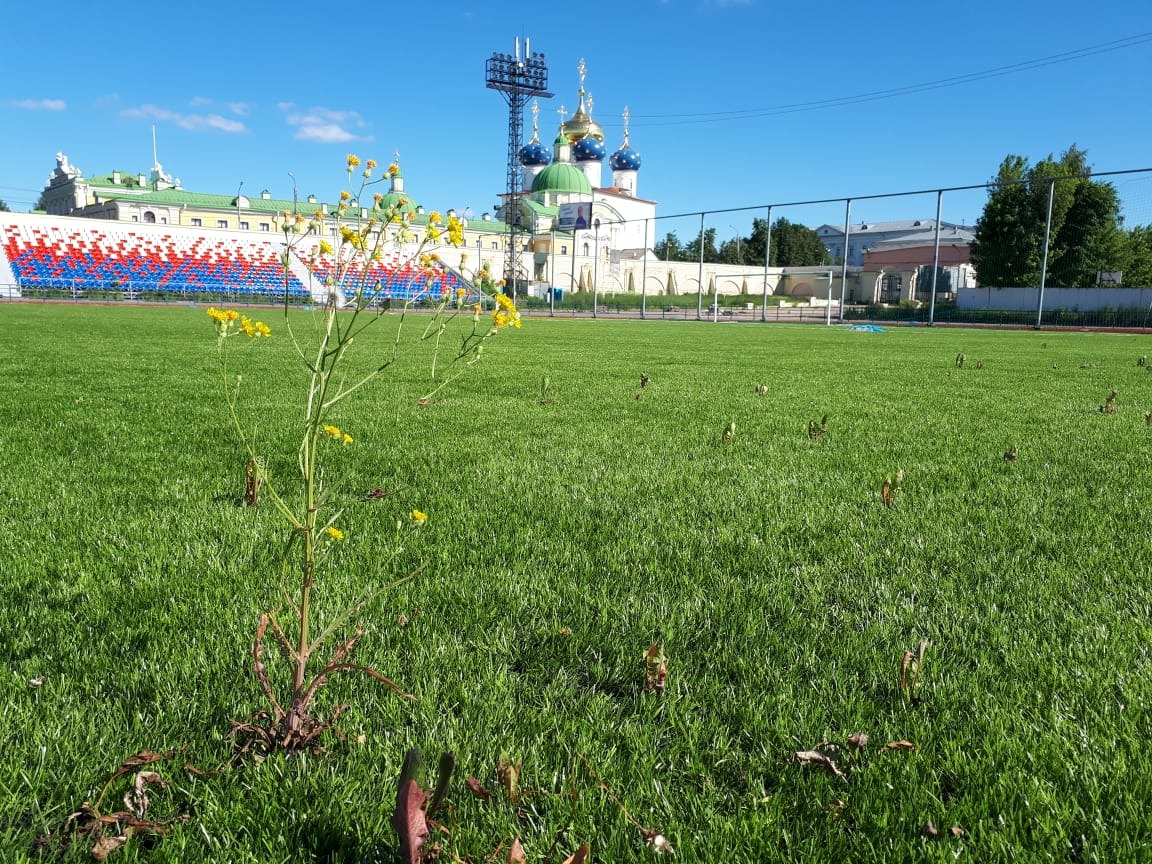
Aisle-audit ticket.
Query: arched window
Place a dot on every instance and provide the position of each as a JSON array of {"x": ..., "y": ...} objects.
[
  {"x": 587, "y": 249},
  {"x": 149, "y": 216}
]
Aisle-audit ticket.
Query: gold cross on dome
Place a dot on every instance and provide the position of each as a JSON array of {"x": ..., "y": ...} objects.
[
  {"x": 563, "y": 113},
  {"x": 583, "y": 70},
  {"x": 627, "y": 116}
]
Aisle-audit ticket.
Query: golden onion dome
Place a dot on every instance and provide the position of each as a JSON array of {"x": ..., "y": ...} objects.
[{"x": 582, "y": 125}]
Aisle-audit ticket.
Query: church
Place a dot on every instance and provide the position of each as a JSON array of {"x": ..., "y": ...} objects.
[{"x": 568, "y": 210}]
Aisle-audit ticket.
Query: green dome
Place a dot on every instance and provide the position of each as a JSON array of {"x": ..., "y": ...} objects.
[
  {"x": 393, "y": 199},
  {"x": 561, "y": 177}
]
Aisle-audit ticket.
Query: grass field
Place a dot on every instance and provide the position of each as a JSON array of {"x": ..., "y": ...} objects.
[{"x": 563, "y": 540}]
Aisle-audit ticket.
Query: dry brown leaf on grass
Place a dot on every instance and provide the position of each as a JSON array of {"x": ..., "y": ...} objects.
[
  {"x": 409, "y": 821},
  {"x": 476, "y": 789},
  {"x": 580, "y": 856},
  {"x": 657, "y": 842},
  {"x": 858, "y": 740},
  {"x": 136, "y": 798},
  {"x": 408, "y": 818},
  {"x": 105, "y": 846},
  {"x": 815, "y": 757},
  {"x": 516, "y": 853},
  {"x": 899, "y": 745},
  {"x": 655, "y": 669}
]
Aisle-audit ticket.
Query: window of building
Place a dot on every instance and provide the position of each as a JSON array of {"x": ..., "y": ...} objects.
[
  {"x": 197, "y": 222},
  {"x": 563, "y": 250},
  {"x": 495, "y": 245},
  {"x": 264, "y": 226},
  {"x": 163, "y": 220},
  {"x": 244, "y": 226},
  {"x": 587, "y": 248},
  {"x": 135, "y": 218},
  {"x": 149, "y": 217},
  {"x": 221, "y": 223}
]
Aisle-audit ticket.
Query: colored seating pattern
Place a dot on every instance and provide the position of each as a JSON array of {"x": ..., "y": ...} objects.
[
  {"x": 115, "y": 257},
  {"x": 391, "y": 276}
]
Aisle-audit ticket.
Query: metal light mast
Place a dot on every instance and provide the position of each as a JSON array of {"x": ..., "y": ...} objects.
[{"x": 519, "y": 79}]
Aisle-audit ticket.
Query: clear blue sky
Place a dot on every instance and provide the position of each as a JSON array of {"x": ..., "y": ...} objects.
[{"x": 734, "y": 102}]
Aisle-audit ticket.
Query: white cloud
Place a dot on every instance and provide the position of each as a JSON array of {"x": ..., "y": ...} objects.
[
  {"x": 40, "y": 104},
  {"x": 241, "y": 109},
  {"x": 324, "y": 125},
  {"x": 192, "y": 122},
  {"x": 198, "y": 101}
]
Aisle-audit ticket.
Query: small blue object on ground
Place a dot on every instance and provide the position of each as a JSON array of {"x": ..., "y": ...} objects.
[{"x": 865, "y": 328}]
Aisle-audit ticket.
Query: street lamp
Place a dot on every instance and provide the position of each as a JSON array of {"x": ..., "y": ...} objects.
[
  {"x": 238, "y": 188},
  {"x": 736, "y": 234}
]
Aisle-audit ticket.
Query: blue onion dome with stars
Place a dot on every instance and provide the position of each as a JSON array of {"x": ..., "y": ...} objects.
[
  {"x": 589, "y": 149},
  {"x": 534, "y": 153},
  {"x": 625, "y": 159}
]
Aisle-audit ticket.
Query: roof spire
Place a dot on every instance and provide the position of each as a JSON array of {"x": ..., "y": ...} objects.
[{"x": 627, "y": 116}]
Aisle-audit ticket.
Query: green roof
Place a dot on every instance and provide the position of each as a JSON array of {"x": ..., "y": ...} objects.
[{"x": 561, "y": 177}]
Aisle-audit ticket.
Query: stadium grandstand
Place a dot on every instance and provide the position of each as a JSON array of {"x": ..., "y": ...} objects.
[{"x": 62, "y": 257}]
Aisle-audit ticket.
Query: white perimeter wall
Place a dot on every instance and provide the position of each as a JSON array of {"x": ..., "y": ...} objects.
[{"x": 1072, "y": 299}]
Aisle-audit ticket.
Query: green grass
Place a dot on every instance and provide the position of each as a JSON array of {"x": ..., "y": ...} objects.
[{"x": 563, "y": 540}]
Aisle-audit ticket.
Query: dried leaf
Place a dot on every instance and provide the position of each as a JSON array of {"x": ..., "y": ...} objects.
[
  {"x": 815, "y": 757},
  {"x": 105, "y": 846},
  {"x": 930, "y": 830},
  {"x": 899, "y": 745},
  {"x": 655, "y": 669},
  {"x": 956, "y": 831},
  {"x": 444, "y": 770},
  {"x": 657, "y": 842},
  {"x": 409, "y": 822},
  {"x": 580, "y": 856},
  {"x": 36, "y": 682},
  {"x": 476, "y": 789},
  {"x": 508, "y": 776},
  {"x": 886, "y": 494},
  {"x": 516, "y": 853},
  {"x": 136, "y": 798},
  {"x": 408, "y": 819},
  {"x": 858, "y": 740}
]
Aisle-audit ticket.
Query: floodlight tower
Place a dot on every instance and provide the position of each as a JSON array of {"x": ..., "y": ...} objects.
[{"x": 519, "y": 79}]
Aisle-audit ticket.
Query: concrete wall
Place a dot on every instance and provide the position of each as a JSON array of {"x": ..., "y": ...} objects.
[{"x": 1072, "y": 299}]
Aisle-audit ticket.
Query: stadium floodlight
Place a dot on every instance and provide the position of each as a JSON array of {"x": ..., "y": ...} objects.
[{"x": 518, "y": 79}]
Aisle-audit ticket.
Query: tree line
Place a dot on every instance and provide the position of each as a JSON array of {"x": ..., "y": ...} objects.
[
  {"x": 793, "y": 245},
  {"x": 1086, "y": 238}
]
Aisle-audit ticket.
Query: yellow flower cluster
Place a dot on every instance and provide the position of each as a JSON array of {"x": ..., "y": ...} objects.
[
  {"x": 250, "y": 329},
  {"x": 352, "y": 237},
  {"x": 225, "y": 318},
  {"x": 335, "y": 432},
  {"x": 419, "y": 517},
  {"x": 455, "y": 231},
  {"x": 222, "y": 316},
  {"x": 505, "y": 312},
  {"x": 334, "y": 533},
  {"x": 353, "y": 161}
]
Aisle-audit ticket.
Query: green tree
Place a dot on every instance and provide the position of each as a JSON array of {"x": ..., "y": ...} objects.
[
  {"x": 1090, "y": 239},
  {"x": 1136, "y": 256},
  {"x": 711, "y": 253},
  {"x": 669, "y": 248},
  {"x": 4, "y": 208},
  {"x": 1084, "y": 235},
  {"x": 793, "y": 244}
]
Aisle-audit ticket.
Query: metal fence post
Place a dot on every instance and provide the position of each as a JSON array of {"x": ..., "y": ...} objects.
[
  {"x": 767, "y": 257},
  {"x": 1044, "y": 262},
  {"x": 935, "y": 259}
]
